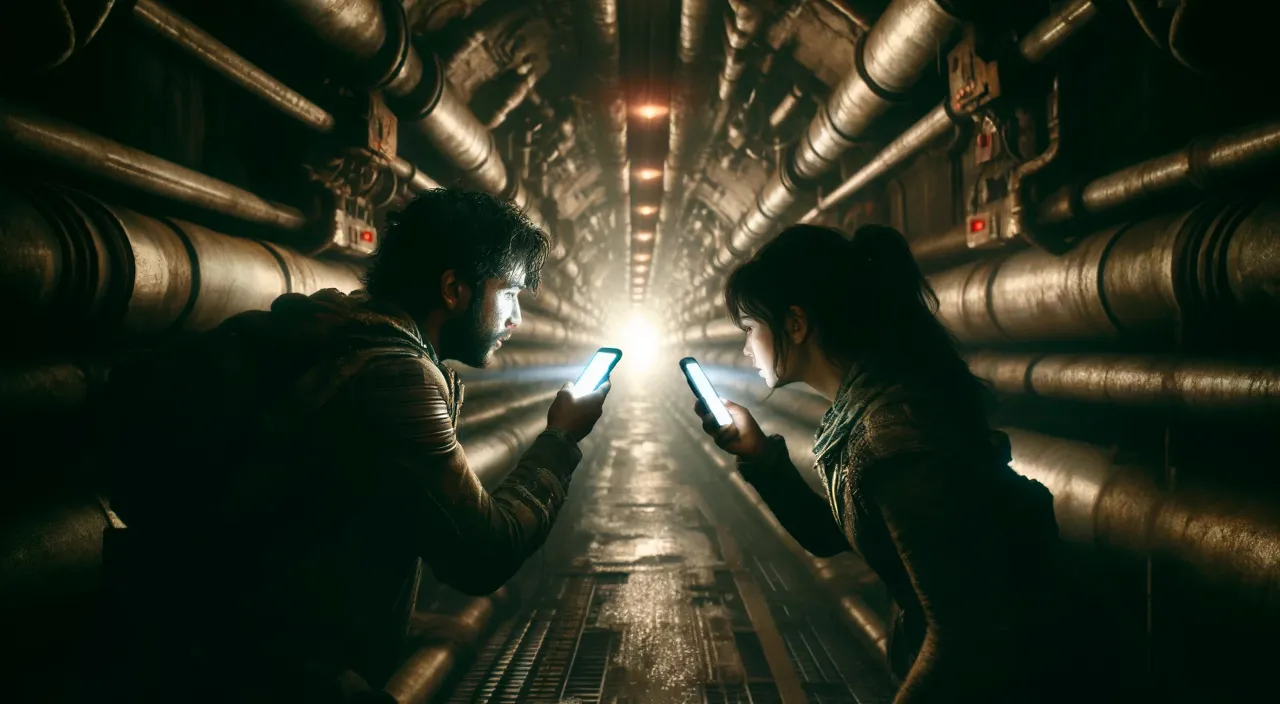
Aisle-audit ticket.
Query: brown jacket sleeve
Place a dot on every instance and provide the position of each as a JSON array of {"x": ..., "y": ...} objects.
[
  {"x": 473, "y": 540},
  {"x": 806, "y": 515}
]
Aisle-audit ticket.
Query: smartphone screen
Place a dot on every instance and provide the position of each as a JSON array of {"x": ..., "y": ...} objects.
[
  {"x": 596, "y": 371},
  {"x": 705, "y": 391}
]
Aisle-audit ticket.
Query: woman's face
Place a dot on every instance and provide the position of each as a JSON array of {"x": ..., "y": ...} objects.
[{"x": 759, "y": 349}]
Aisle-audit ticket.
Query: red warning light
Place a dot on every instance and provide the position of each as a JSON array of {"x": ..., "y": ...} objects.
[
  {"x": 977, "y": 225},
  {"x": 367, "y": 235}
]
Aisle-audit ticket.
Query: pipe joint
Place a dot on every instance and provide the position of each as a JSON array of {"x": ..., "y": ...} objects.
[
  {"x": 393, "y": 55},
  {"x": 425, "y": 96}
]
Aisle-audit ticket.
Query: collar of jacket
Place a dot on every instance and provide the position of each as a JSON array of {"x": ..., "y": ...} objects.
[{"x": 405, "y": 322}]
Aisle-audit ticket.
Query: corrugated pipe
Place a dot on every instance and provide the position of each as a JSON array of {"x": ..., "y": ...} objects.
[
  {"x": 1205, "y": 164},
  {"x": 904, "y": 42},
  {"x": 611, "y": 139},
  {"x": 717, "y": 331},
  {"x": 418, "y": 90},
  {"x": 203, "y": 47},
  {"x": 1139, "y": 279},
  {"x": 425, "y": 671},
  {"x": 741, "y": 25},
  {"x": 29, "y": 133},
  {"x": 74, "y": 265}
]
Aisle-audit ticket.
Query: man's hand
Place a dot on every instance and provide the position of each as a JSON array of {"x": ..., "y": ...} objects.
[
  {"x": 577, "y": 416},
  {"x": 742, "y": 437}
]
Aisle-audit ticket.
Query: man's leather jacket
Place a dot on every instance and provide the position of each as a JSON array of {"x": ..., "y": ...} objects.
[{"x": 289, "y": 473}]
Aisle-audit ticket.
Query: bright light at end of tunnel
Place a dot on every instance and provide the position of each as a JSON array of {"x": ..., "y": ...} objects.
[
  {"x": 648, "y": 174},
  {"x": 651, "y": 111},
  {"x": 646, "y": 210},
  {"x": 638, "y": 338}
]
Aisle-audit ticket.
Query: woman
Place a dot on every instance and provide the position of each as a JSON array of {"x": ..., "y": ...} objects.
[{"x": 917, "y": 482}]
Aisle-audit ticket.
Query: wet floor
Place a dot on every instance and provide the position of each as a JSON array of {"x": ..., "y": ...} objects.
[{"x": 662, "y": 584}]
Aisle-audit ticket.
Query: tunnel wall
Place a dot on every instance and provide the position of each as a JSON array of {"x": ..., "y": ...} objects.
[{"x": 1129, "y": 337}]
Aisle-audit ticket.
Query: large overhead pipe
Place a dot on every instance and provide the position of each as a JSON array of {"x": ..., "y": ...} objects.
[
  {"x": 29, "y": 133},
  {"x": 611, "y": 139},
  {"x": 420, "y": 90},
  {"x": 1049, "y": 34},
  {"x": 203, "y": 47},
  {"x": 717, "y": 331},
  {"x": 693, "y": 21},
  {"x": 1132, "y": 280},
  {"x": 890, "y": 59},
  {"x": 1204, "y": 164},
  {"x": 741, "y": 25},
  {"x": 74, "y": 265}
]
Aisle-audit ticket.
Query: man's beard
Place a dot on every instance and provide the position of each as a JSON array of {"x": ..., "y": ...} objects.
[{"x": 467, "y": 339}]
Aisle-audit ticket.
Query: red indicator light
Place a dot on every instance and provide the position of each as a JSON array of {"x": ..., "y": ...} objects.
[
  {"x": 367, "y": 235},
  {"x": 977, "y": 225}
]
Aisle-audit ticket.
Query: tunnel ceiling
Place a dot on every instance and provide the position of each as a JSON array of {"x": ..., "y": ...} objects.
[{"x": 648, "y": 127}]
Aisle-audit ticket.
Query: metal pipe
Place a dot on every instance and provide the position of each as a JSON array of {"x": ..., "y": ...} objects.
[
  {"x": 478, "y": 416},
  {"x": 1202, "y": 164},
  {"x": 516, "y": 357},
  {"x": 1049, "y": 34},
  {"x": 25, "y": 131},
  {"x": 717, "y": 331},
  {"x": 74, "y": 264},
  {"x": 556, "y": 306},
  {"x": 493, "y": 454},
  {"x": 890, "y": 59},
  {"x": 425, "y": 672},
  {"x": 611, "y": 134},
  {"x": 931, "y": 127},
  {"x": 517, "y": 97},
  {"x": 1200, "y": 387},
  {"x": 693, "y": 21},
  {"x": 541, "y": 330},
  {"x": 218, "y": 57},
  {"x": 1131, "y": 280},
  {"x": 420, "y": 91},
  {"x": 1015, "y": 219},
  {"x": 1231, "y": 542}
]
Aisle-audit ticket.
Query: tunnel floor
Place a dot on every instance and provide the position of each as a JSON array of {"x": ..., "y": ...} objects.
[{"x": 662, "y": 584}]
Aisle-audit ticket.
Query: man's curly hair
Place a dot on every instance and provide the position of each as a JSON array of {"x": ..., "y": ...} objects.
[{"x": 475, "y": 234}]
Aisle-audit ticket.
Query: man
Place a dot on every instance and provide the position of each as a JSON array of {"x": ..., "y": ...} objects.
[{"x": 284, "y": 477}]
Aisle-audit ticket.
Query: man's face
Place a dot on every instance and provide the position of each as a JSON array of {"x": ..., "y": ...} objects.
[{"x": 494, "y": 313}]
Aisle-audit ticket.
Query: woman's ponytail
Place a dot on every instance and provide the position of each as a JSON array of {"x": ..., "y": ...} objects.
[{"x": 884, "y": 253}]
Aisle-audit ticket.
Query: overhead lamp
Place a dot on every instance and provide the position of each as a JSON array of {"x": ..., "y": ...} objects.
[
  {"x": 641, "y": 268},
  {"x": 642, "y": 257},
  {"x": 646, "y": 210},
  {"x": 648, "y": 174},
  {"x": 638, "y": 280},
  {"x": 643, "y": 236},
  {"x": 650, "y": 111}
]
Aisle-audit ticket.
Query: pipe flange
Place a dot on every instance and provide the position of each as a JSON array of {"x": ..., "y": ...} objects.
[
  {"x": 394, "y": 52},
  {"x": 425, "y": 96},
  {"x": 911, "y": 95},
  {"x": 113, "y": 271}
]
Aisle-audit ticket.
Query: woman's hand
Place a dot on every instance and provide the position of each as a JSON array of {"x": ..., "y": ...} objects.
[{"x": 742, "y": 437}]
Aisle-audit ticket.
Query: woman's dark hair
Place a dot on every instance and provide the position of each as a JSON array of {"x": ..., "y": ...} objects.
[
  {"x": 864, "y": 297},
  {"x": 476, "y": 234}
]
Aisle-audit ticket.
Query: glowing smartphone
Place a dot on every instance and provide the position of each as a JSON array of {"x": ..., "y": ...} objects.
[
  {"x": 596, "y": 372},
  {"x": 703, "y": 389}
]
